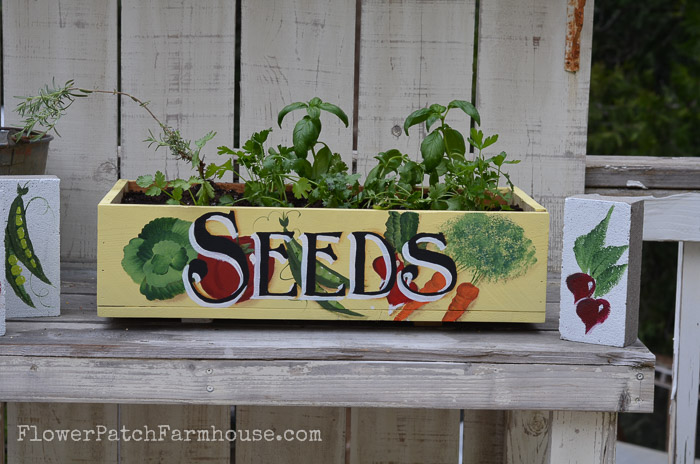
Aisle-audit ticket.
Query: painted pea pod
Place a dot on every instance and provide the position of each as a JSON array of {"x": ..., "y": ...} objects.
[
  {"x": 19, "y": 237},
  {"x": 13, "y": 274},
  {"x": 324, "y": 274}
]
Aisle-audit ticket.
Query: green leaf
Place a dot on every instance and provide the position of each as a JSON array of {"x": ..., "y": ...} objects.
[
  {"x": 315, "y": 101},
  {"x": 288, "y": 109},
  {"x": 301, "y": 188},
  {"x": 153, "y": 191},
  {"x": 455, "y": 141},
  {"x": 586, "y": 246},
  {"x": 605, "y": 258},
  {"x": 490, "y": 140},
  {"x": 431, "y": 120},
  {"x": 416, "y": 117},
  {"x": 201, "y": 142},
  {"x": 607, "y": 279},
  {"x": 226, "y": 200},
  {"x": 314, "y": 112},
  {"x": 432, "y": 149},
  {"x": 336, "y": 111},
  {"x": 160, "y": 180},
  {"x": 224, "y": 150},
  {"x": 302, "y": 167},
  {"x": 322, "y": 161},
  {"x": 305, "y": 135},
  {"x": 468, "y": 108},
  {"x": 144, "y": 181},
  {"x": 171, "y": 201}
]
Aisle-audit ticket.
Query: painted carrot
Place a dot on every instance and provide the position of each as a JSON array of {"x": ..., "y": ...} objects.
[
  {"x": 436, "y": 283},
  {"x": 466, "y": 293}
]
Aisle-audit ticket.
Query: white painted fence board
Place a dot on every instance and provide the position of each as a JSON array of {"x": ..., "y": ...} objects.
[
  {"x": 49, "y": 417},
  {"x": 179, "y": 56},
  {"x": 321, "y": 433},
  {"x": 484, "y": 437},
  {"x": 583, "y": 437},
  {"x": 168, "y": 419},
  {"x": 404, "y": 436},
  {"x": 293, "y": 51},
  {"x": 686, "y": 362},
  {"x": 539, "y": 110},
  {"x": 412, "y": 54},
  {"x": 71, "y": 39}
]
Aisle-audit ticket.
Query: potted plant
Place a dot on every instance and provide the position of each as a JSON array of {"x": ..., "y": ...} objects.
[{"x": 304, "y": 238}]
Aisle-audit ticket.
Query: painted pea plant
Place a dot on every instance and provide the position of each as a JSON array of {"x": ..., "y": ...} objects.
[
  {"x": 21, "y": 262},
  {"x": 599, "y": 274}
]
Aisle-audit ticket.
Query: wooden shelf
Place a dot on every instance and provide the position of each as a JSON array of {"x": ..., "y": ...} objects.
[{"x": 79, "y": 357}]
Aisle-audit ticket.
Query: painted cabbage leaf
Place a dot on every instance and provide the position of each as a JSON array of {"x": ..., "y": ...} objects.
[{"x": 155, "y": 259}]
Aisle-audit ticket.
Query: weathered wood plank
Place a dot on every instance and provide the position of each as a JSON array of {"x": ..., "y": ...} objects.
[
  {"x": 643, "y": 172},
  {"x": 436, "y": 385},
  {"x": 683, "y": 409},
  {"x": 175, "y": 422},
  {"x": 583, "y": 437},
  {"x": 539, "y": 110},
  {"x": 293, "y": 51},
  {"x": 2, "y": 433},
  {"x": 412, "y": 54},
  {"x": 45, "y": 421},
  {"x": 180, "y": 57},
  {"x": 127, "y": 339},
  {"x": 484, "y": 437},
  {"x": 291, "y": 434},
  {"x": 403, "y": 436},
  {"x": 73, "y": 39},
  {"x": 528, "y": 437}
]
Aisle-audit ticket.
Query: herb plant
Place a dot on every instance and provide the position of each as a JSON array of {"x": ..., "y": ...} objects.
[{"x": 460, "y": 176}]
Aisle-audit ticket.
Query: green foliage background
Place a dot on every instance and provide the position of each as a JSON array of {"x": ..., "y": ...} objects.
[{"x": 645, "y": 101}]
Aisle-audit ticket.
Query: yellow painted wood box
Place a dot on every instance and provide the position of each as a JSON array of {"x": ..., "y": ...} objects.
[{"x": 307, "y": 263}]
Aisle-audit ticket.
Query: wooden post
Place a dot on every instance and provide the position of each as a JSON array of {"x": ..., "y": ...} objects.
[
  {"x": 484, "y": 440},
  {"x": 2, "y": 433},
  {"x": 527, "y": 437},
  {"x": 583, "y": 437},
  {"x": 686, "y": 364}
]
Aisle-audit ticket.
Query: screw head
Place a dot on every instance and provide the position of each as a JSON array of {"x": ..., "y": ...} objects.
[
  {"x": 210, "y": 388},
  {"x": 640, "y": 376},
  {"x": 209, "y": 371},
  {"x": 396, "y": 130}
]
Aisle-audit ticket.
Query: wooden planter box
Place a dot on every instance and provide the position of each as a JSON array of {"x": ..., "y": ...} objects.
[{"x": 202, "y": 262}]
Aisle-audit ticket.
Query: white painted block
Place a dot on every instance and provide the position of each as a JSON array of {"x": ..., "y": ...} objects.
[
  {"x": 30, "y": 245},
  {"x": 601, "y": 264}
]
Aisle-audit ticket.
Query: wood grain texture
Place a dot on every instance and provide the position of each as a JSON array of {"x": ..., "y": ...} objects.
[
  {"x": 49, "y": 418},
  {"x": 643, "y": 172},
  {"x": 528, "y": 437},
  {"x": 683, "y": 409},
  {"x": 179, "y": 56},
  {"x": 3, "y": 449},
  {"x": 293, "y": 51},
  {"x": 539, "y": 110},
  {"x": 412, "y": 54},
  {"x": 484, "y": 437},
  {"x": 240, "y": 341},
  {"x": 171, "y": 418},
  {"x": 435, "y": 385},
  {"x": 583, "y": 438},
  {"x": 404, "y": 436},
  {"x": 321, "y": 433},
  {"x": 72, "y": 39}
]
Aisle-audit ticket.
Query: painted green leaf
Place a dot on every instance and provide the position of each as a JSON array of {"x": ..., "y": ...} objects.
[
  {"x": 605, "y": 258},
  {"x": 393, "y": 230},
  {"x": 608, "y": 279},
  {"x": 432, "y": 148},
  {"x": 586, "y": 246},
  {"x": 409, "y": 227},
  {"x": 155, "y": 259}
]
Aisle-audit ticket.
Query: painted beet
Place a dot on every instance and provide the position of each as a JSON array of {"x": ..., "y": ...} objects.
[
  {"x": 593, "y": 311},
  {"x": 581, "y": 285}
]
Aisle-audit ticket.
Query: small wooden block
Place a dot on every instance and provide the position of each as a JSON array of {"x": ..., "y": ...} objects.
[
  {"x": 600, "y": 270},
  {"x": 30, "y": 245}
]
